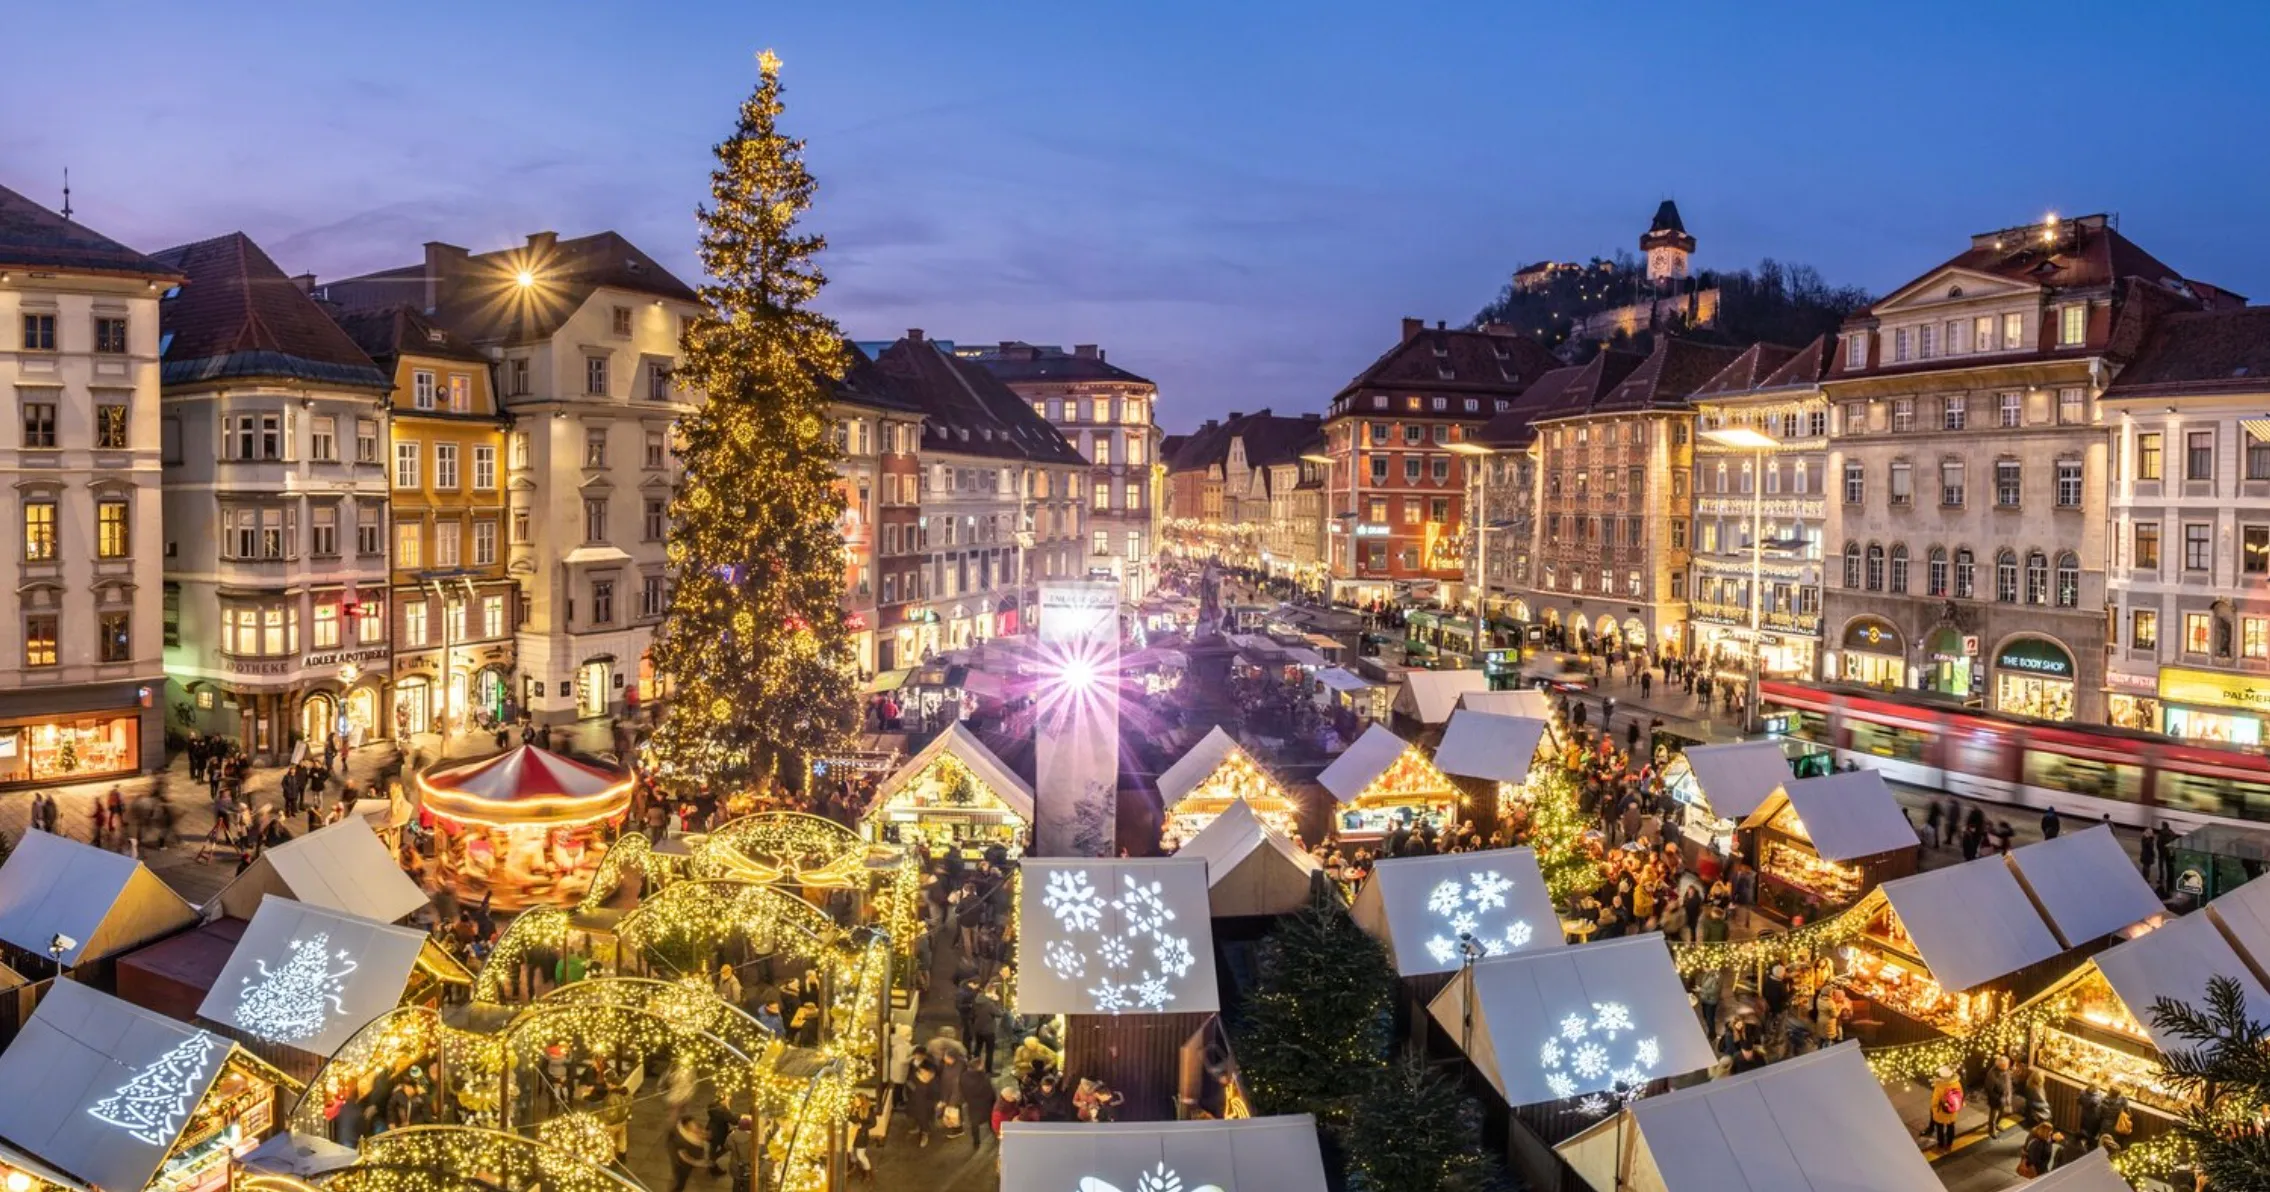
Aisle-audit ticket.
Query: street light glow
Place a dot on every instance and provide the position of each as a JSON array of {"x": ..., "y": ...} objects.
[
  {"x": 1077, "y": 673},
  {"x": 524, "y": 279}
]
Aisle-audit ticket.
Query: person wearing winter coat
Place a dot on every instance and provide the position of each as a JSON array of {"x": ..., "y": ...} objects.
[
  {"x": 1999, "y": 1093},
  {"x": 2040, "y": 1151},
  {"x": 922, "y": 1099},
  {"x": 1946, "y": 1105}
]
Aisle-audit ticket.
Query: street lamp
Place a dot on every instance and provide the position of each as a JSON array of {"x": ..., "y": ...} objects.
[
  {"x": 1479, "y": 520},
  {"x": 1757, "y": 443}
]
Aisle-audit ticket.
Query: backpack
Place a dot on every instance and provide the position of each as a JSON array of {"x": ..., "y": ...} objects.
[{"x": 1951, "y": 1101}]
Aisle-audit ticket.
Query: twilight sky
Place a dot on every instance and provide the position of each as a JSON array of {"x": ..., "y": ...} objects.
[{"x": 1238, "y": 200}]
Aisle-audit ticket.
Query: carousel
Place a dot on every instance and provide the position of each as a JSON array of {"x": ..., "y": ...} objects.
[{"x": 523, "y": 828}]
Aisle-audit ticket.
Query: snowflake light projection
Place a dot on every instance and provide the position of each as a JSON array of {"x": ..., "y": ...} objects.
[
  {"x": 1158, "y": 1179},
  {"x": 154, "y": 1104},
  {"x": 293, "y": 1001},
  {"x": 1137, "y": 955},
  {"x": 1582, "y": 1054},
  {"x": 1461, "y": 906}
]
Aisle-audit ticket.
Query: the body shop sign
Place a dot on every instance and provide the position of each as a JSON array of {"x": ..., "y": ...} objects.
[{"x": 2035, "y": 656}]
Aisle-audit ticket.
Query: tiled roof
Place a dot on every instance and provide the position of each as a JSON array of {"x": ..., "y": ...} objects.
[
  {"x": 968, "y": 411},
  {"x": 1272, "y": 439},
  {"x": 1466, "y": 363},
  {"x": 388, "y": 334},
  {"x": 1559, "y": 394},
  {"x": 1807, "y": 367},
  {"x": 33, "y": 237},
  {"x": 1748, "y": 370},
  {"x": 1667, "y": 218},
  {"x": 1671, "y": 372},
  {"x": 238, "y": 315},
  {"x": 1208, "y": 446},
  {"x": 864, "y": 384},
  {"x": 2200, "y": 352},
  {"x": 478, "y": 295},
  {"x": 1017, "y": 363},
  {"x": 1170, "y": 446}
]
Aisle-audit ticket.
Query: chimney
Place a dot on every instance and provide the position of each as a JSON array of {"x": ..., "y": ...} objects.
[
  {"x": 914, "y": 334},
  {"x": 541, "y": 244},
  {"x": 1412, "y": 327},
  {"x": 1441, "y": 325},
  {"x": 1211, "y": 423},
  {"x": 1236, "y": 414},
  {"x": 1085, "y": 351},
  {"x": 445, "y": 264},
  {"x": 306, "y": 282}
]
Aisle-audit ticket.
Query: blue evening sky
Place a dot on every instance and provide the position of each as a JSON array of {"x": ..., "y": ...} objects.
[{"x": 1236, "y": 199}]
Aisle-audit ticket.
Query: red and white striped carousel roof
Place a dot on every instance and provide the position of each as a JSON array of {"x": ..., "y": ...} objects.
[{"x": 525, "y": 784}]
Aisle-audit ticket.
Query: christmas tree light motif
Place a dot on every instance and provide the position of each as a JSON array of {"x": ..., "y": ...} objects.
[
  {"x": 154, "y": 1104},
  {"x": 292, "y": 1002}
]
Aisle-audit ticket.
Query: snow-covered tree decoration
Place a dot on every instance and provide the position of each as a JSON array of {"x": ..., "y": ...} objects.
[
  {"x": 292, "y": 1002},
  {"x": 153, "y": 1105}
]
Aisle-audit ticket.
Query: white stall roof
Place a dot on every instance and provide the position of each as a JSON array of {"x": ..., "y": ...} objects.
[
  {"x": 344, "y": 866},
  {"x": 1847, "y": 816},
  {"x": 1263, "y": 1154},
  {"x": 1303, "y": 656},
  {"x": 2176, "y": 960},
  {"x": 971, "y": 752},
  {"x": 116, "y": 1084},
  {"x": 1429, "y": 696},
  {"x": 103, "y": 902},
  {"x": 1357, "y": 767},
  {"x": 1489, "y": 746},
  {"x": 1251, "y": 869},
  {"x": 2245, "y": 916},
  {"x": 2091, "y": 1172},
  {"x": 1342, "y": 679},
  {"x": 1522, "y": 701},
  {"x": 309, "y": 977},
  {"x": 1971, "y": 922},
  {"x": 1735, "y": 779},
  {"x": 2086, "y": 884},
  {"x": 1198, "y": 765},
  {"x": 1815, "y": 1123},
  {"x": 1418, "y": 906},
  {"x": 1115, "y": 937},
  {"x": 1564, "y": 1022}
]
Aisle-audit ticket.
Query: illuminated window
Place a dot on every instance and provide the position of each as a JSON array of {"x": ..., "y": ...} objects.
[
  {"x": 39, "y": 639},
  {"x": 113, "y": 539},
  {"x": 2144, "y": 629},
  {"x": 2198, "y": 633},
  {"x": 39, "y": 531},
  {"x": 2072, "y": 324}
]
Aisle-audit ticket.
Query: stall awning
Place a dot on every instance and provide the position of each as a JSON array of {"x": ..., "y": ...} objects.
[
  {"x": 1115, "y": 937},
  {"x": 970, "y": 751},
  {"x": 2092, "y": 1172},
  {"x": 1564, "y": 1022},
  {"x": 1490, "y": 747},
  {"x": 985, "y": 684},
  {"x": 1847, "y": 816},
  {"x": 344, "y": 867},
  {"x": 2245, "y": 917},
  {"x": 890, "y": 680},
  {"x": 1735, "y": 779},
  {"x": 1345, "y": 681},
  {"x": 2085, "y": 883},
  {"x": 1303, "y": 656},
  {"x": 1263, "y": 1154},
  {"x": 1813, "y": 1123},
  {"x": 2176, "y": 960},
  {"x": 102, "y": 1089},
  {"x": 1971, "y": 923},
  {"x": 1251, "y": 869},
  {"x": 1430, "y": 696},
  {"x": 1524, "y": 701},
  {"x": 1361, "y": 764},
  {"x": 309, "y": 978},
  {"x": 1418, "y": 906},
  {"x": 104, "y": 902}
]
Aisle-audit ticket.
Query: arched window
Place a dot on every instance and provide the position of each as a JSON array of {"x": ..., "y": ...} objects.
[
  {"x": 1852, "y": 565},
  {"x": 1966, "y": 574},
  {"x": 2006, "y": 576},
  {"x": 2037, "y": 578},
  {"x": 1875, "y": 568},
  {"x": 1898, "y": 581},
  {"x": 2068, "y": 580},
  {"x": 1936, "y": 574}
]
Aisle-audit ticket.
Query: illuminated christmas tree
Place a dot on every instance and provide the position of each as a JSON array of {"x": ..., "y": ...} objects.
[
  {"x": 293, "y": 1002},
  {"x": 754, "y": 650},
  {"x": 154, "y": 1104}
]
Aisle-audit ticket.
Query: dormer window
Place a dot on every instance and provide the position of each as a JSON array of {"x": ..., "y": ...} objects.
[{"x": 1442, "y": 351}]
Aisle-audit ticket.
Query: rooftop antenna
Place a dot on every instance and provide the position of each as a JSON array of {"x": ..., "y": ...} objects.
[{"x": 66, "y": 192}]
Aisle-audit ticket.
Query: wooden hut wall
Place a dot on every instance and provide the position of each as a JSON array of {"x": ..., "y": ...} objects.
[{"x": 1138, "y": 1055}]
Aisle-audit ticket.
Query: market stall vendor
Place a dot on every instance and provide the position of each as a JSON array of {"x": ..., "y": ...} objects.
[
  {"x": 1824, "y": 842},
  {"x": 1385, "y": 784},
  {"x": 954, "y": 793},
  {"x": 1941, "y": 955},
  {"x": 1215, "y": 773},
  {"x": 526, "y": 827}
]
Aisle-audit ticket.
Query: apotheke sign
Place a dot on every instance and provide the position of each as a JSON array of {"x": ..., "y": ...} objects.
[{"x": 338, "y": 657}]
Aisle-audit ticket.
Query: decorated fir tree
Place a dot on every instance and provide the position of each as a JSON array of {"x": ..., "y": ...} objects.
[
  {"x": 1415, "y": 1131},
  {"x": 1315, "y": 1031},
  {"x": 754, "y": 651},
  {"x": 2225, "y": 1075}
]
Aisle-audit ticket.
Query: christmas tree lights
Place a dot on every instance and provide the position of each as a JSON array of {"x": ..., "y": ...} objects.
[{"x": 153, "y": 1105}]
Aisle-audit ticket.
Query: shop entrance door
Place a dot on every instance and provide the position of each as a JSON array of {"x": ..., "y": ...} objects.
[
  {"x": 591, "y": 689},
  {"x": 316, "y": 716},
  {"x": 489, "y": 692},
  {"x": 362, "y": 715}
]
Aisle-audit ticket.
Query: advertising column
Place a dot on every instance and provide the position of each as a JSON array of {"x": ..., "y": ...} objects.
[{"x": 1076, "y": 785}]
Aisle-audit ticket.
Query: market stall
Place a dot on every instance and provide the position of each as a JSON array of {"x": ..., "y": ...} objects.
[
  {"x": 1722, "y": 785},
  {"x": 1824, "y": 842},
  {"x": 128, "y": 1099},
  {"x": 1251, "y": 867},
  {"x": 1359, "y": 699},
  {"x": 2086, "y": 885},
  {"x": 2244, "y": 916},
  {"x": 1937, "y": 958},
  {"x": 1216, "y": 773},
  {"x": 526, "y": 827},
  {"x": 93, "y": 902},
  {"x": 1492, "y": 755},
  {"x": 1815, "y": 1121},
  {"x": 1383, "y": 783},
  {"x": 1429, "y": 697},
  {"x": 343, "y": 866},
  {"x": 2108, "y": 1040},
  {"x": 1569, "y": 1022},
  {"x": 1419, "y": 907},
  {"x": 303, "y": 979},
  {"x": 1264, "y": 1154},
  {"x": 954, "y": 792},
  {"x": 1520, "y": 701}
]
